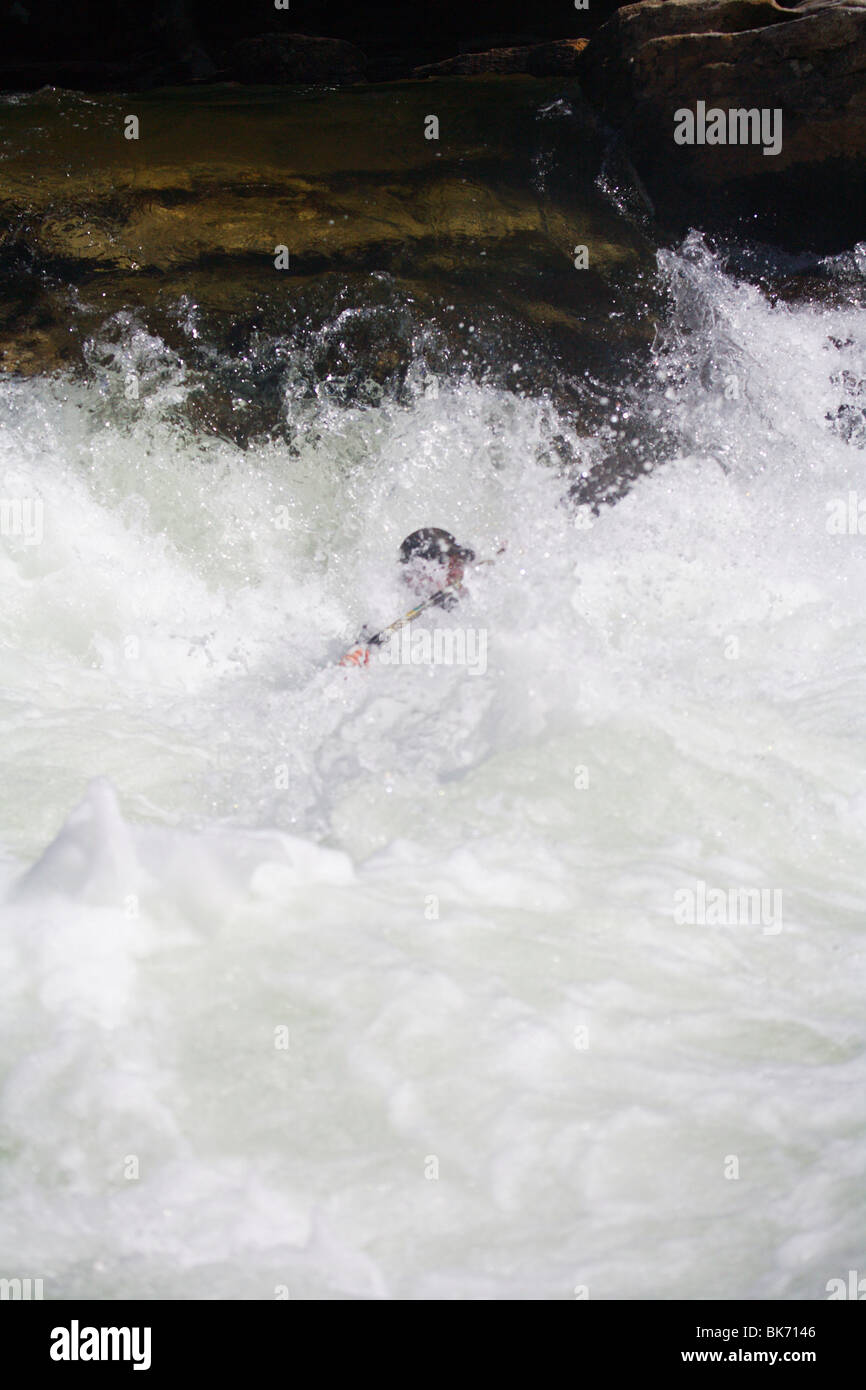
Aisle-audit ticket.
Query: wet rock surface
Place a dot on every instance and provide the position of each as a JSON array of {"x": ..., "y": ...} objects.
[
  {"x": 226, "y": 176},
  {"x": 287, "y": 243},
  {"x": 808, "y": 63},
  {"x": 408, "y": 258}
]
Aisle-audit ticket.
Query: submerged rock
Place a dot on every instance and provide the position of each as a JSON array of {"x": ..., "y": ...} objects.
[
  {"x": 351, "y": 182},
  {"x": 806, "y": 189},
  {"x": 31, "y": 351},
  {"x": 156, "y": 265}
]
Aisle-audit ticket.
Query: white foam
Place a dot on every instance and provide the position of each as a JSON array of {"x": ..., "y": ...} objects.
[{"x": 509, "y": 1071}]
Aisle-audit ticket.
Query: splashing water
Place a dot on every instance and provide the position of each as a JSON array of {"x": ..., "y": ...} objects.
[{"x": 372, "y": 983}]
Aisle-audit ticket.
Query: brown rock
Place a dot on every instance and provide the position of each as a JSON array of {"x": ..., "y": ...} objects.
[
  {"x": 29, "y": 351},
  {"x": 539, "y": 59},
  {"x": 653, "y": 59}
]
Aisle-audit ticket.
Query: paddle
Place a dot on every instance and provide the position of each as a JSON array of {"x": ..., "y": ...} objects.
[{"x": 360, "y": 655}]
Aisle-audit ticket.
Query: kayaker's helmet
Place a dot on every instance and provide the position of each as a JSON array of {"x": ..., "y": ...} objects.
[
  {"x": 432, "y": 543},
  {"x": 433, "y": 562}
]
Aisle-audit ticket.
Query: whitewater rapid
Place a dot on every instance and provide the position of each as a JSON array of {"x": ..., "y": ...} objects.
[{"x": 323, "y": 983}]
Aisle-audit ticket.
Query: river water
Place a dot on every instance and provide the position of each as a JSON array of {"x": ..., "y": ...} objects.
[{"x": 376, "y": 983}]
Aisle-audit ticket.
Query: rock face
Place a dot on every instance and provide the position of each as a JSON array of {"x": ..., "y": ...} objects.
[
  {"x": 275, "y": 58},
  {"x": 539, "y": 59},
  {"x": 107, "y": 45},
  {"x": 656, "y": 59},
  {"x": 247, "y": 214}
]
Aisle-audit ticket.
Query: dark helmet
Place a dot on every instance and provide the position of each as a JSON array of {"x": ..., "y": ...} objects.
[{"x": 432, "y": 543}]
